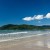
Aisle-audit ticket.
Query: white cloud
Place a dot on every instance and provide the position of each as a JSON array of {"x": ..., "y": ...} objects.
[
  {"x": 28, "y": 18},
  {"x": 37, "y": 17},
  {"x": 47, "y": 16}
]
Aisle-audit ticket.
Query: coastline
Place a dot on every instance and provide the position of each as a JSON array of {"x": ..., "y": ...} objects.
[{"x": 29, "y": 43}]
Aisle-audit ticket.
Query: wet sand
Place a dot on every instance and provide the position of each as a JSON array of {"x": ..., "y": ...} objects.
[{"x": 40, "y": 42}]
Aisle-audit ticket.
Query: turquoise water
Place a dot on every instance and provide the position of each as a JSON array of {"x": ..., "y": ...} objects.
[{"x": 15, "y": 34}]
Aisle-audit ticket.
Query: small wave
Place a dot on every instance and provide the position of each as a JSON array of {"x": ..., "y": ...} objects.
[
  {"x": 14, "y": 33},
  {"x": 19, "y": 38},
  {"x": 16, "y": 38}
]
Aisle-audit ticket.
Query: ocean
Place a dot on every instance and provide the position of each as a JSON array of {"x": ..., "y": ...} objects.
[{"x": 6, "y": 35}]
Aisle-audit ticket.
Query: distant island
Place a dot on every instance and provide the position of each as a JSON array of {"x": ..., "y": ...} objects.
[{"x": 23, "y": 27}]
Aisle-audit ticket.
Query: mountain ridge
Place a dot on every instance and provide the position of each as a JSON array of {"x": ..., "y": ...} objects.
[{"x": 23, "y": 27}]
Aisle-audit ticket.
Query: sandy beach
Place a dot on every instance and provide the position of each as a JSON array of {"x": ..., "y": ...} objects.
[
  {"x": 30, "y": 43},
  {"x": 24, "y": 24}
]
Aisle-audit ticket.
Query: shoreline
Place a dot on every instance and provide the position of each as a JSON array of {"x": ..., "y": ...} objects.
[
  {"x": 29, "y": 43},
  {"x": 20, "y": 37}
]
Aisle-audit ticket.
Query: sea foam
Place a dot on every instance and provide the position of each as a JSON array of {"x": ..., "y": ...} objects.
[{"x": 13, "y": 33}]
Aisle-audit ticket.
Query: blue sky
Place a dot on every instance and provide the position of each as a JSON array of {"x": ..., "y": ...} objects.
[{"x": 16, "y": 11}]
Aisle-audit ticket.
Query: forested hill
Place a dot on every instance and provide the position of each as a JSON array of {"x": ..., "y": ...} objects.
[{"x": 23, "y": 27}]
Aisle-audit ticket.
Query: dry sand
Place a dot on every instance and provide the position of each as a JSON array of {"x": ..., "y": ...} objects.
[{"x": 31, "y": 43}]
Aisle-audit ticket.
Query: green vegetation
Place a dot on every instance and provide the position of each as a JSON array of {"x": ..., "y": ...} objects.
[{"x": 23, "y": 27}]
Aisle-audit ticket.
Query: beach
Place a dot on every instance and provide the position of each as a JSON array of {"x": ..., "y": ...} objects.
[
  {"x": 24, "y": 24},
  {"x": 40, "y": 42}
]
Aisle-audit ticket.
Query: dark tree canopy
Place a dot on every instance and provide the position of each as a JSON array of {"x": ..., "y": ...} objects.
[{"x": 23, "y": 27}]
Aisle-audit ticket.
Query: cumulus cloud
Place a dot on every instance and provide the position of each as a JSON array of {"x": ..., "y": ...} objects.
[
  {"x": 36, "y": 17},
  {"x": 28, "y": 18},
  {"x": 47, "y": 16}
]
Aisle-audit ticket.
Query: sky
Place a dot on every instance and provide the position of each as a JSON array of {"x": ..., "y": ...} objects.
[{"x": 32, "y": 12}]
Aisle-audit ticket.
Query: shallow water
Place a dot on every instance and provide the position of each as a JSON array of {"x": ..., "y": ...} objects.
[{"x": 6, "y": 35}]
